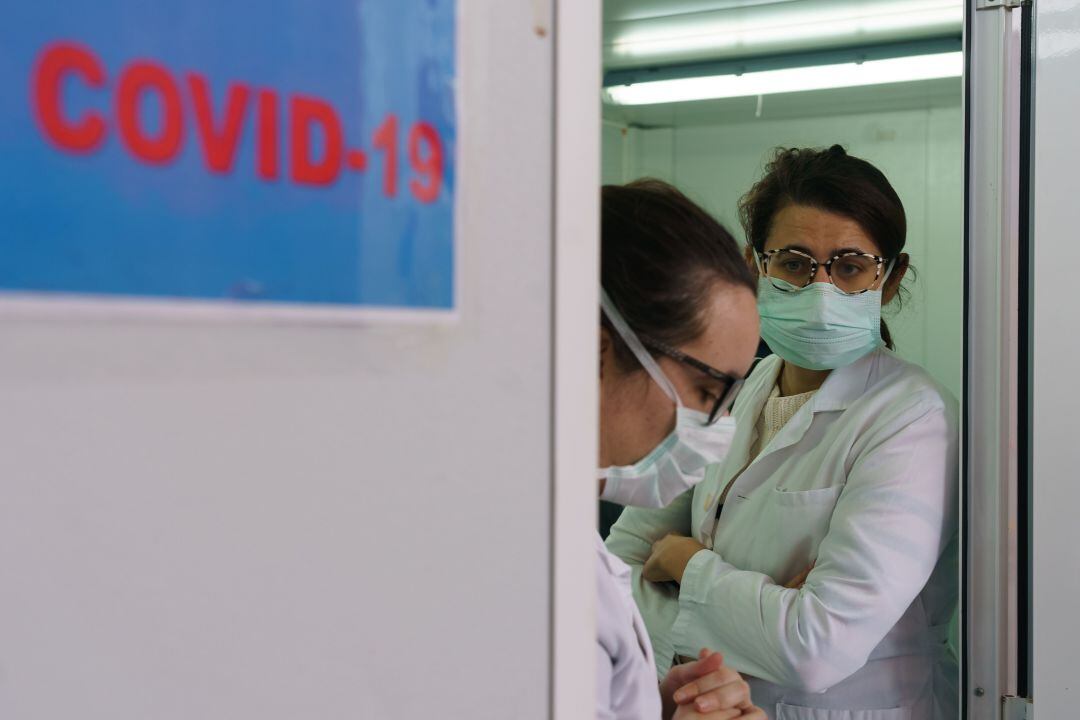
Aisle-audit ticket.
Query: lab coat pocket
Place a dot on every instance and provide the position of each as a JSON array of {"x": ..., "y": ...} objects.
[
  {"x": 794, "y": 712},
  {"x": 808, "y": 498},
  {"x": 803, "y": 518}
]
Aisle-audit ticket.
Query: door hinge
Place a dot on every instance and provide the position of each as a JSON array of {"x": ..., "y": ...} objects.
[{"x": 1017, "y": 708}]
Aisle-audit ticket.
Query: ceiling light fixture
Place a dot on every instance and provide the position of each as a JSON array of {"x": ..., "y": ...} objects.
[{"x": 793, "y": 79}]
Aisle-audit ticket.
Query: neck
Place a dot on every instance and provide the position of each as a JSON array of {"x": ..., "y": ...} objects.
[{"x": 795, "y": 380}]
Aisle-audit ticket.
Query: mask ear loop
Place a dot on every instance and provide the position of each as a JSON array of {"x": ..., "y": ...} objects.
[
  {"x": 642, "y": 355},
  {"x": 888, "y": 272}
]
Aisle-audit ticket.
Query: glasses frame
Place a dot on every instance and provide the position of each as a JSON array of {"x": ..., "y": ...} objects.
[
  {"x": 814, "y": 265},
  {"x": 732, "y": 385}
]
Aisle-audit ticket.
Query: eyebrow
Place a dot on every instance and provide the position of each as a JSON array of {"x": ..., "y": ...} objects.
[
  {"x": 834, "y": 253},
  {"x": 731, "y": 376}
]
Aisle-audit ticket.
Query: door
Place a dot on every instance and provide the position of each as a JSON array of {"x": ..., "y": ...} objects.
[{"x": 248, "y": 519}]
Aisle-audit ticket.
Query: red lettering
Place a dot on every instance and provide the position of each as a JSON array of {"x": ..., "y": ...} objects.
[
  {"x": 267, "y": 135},
  {"x": 149, "y": 115},
  {"x": 429, "y": 166},
  {"x": 55, "y": 62},
  {"x": 386, "y": 139},
  {"x": 137, "y": 79},
  {"x": 303, "y": 113},
  {"x": 219, "y": 146}
]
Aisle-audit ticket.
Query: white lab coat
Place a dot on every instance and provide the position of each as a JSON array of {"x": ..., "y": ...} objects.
[
  {"x": 626, "y": 685},
  {"x": 862, "y": 481}
]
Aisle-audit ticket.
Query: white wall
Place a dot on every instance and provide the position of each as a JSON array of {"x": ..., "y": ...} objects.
[
  {"x": 238, "y": 521},
  {"x": 613, "y": 148},
  {"x": 920, "y": 151}
]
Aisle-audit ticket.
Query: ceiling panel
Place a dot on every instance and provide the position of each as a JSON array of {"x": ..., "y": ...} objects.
[{"x": 643, "y": 33}]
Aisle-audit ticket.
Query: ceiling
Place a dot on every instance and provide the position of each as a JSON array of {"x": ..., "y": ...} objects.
[{"x": 664, "y": 33}]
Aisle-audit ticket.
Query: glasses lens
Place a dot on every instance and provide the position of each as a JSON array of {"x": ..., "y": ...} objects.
[
  {"x": 854, "y": 273},
  {"x": 790, "y": 267}
]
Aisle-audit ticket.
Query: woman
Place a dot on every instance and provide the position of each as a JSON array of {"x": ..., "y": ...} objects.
[
  {"x": 678, "y": 329},
  {"x": 820, "y": 555}
]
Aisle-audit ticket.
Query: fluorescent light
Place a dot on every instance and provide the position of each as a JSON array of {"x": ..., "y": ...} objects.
[
  {"x": 748, "y": 29},
  {"x": 768, "y": 82}
]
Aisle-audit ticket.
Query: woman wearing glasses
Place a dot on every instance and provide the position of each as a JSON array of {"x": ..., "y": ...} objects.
[
  {"x": 678, "y": 325},
  {"x": 820, "y": 555}
]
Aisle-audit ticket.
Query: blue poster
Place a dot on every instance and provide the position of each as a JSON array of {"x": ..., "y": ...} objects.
[{"x": 253, "y": 151}]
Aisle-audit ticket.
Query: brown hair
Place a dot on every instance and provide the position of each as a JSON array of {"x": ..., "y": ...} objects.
[
  {"x": 660, "y": 256},
  {"x": 829, "y": 180}
]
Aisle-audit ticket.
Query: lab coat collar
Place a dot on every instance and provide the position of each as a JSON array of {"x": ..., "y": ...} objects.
[
  {"x": 845, "y": 385},
  {"x": 747, "y": 408},
  {"x": 842, "y": 388}
]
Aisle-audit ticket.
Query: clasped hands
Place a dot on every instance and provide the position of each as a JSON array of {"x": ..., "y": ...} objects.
[{"x": 706, "y": 689}]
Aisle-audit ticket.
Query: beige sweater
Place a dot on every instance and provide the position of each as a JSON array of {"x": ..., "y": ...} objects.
[{"x": 775, "y": 415}]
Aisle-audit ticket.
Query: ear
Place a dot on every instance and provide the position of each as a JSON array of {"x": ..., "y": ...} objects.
[
  {"x": 892, "y": 285},
  {"x": 606, "y": 348},
  {"x": 750, "y": 254}
]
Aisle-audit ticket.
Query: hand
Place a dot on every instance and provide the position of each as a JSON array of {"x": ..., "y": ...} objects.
[
  {"x": 709, "y": 691},
  {"x": 684, "y": 674},
  {"x": 799, "y": 580},
  {"x": 687, "y": 712},
  {"x": 669, "y": 558}
]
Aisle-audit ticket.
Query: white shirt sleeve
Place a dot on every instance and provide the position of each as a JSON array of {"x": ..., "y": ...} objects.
[
  {"x": 604, "y": 677},
  {"x": 625, "y": 671}
]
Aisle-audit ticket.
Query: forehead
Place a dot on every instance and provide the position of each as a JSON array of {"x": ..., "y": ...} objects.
[
  {"x": 730, "y": 335},
  {"x": 819, "y": 232}
]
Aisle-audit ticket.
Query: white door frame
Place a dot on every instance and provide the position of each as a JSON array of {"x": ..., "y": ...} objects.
[
  {"x": 576, "y": 312},
  {"x": 993, "y": 364},
  {"x": 1055, "y": 344}
]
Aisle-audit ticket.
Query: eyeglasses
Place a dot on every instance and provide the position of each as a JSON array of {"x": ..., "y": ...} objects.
[
  {"x": 852, "y": 273},
  {"x": 730, "y": 386}
]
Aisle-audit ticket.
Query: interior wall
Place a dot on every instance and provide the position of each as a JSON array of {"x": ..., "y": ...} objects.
[
  {"x": 613, "y": 148},
  {"x": 920, "y": 151}
]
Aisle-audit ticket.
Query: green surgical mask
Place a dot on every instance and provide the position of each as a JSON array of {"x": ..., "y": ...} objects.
[{"x": 819, "y": 327}]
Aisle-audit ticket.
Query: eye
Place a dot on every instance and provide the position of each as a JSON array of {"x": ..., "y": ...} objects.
[
  {"x": 854, "y": 266},
  {"x": 708, "y": 395},
  {"x": 846, "y": 269}
]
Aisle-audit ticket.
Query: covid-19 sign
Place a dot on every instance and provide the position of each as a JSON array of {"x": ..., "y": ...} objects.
[{"x": 272, "y": 152}]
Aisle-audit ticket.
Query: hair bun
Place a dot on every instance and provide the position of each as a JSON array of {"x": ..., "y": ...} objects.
[{"x": 837, "y": 151}]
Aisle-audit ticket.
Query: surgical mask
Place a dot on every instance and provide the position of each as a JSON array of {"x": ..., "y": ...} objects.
[
  {"x": 819, "y": 327},
  {"x": 678, "y": 463}
]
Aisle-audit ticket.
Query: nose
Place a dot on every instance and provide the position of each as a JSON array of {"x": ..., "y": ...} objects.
[{"x": 820, "y": 275}]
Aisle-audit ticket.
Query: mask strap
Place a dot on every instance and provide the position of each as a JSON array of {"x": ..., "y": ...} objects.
[
  {"x": 888, "y": 272},
  {"x": 632, "y": 341}
]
